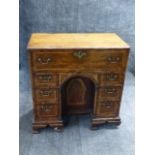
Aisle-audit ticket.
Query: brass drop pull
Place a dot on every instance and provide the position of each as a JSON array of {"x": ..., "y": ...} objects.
[
  {"x": 111, "y": 76},
  {"x": 110, "y": 90},
  {"x": 112, "y": 59},
  {"x": 80, "y": 54},
  {"x": 44, "y": 60},
  {"x": 45, "y": 77},
  {"x": 46, "y": 108},
  {"x": 108, "y": 104},
  {"x": 45, "y": 92}
]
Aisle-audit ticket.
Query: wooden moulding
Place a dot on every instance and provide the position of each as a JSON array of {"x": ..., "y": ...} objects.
[
  {"x": 57, "y": 126},
  {"x": 100, "y": 120}
]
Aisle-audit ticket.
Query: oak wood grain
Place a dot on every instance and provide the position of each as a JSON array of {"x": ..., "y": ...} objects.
[{"x": 76, "y": 41}]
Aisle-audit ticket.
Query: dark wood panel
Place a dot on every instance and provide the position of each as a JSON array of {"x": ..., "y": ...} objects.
[{"x": 77, "y": 96}]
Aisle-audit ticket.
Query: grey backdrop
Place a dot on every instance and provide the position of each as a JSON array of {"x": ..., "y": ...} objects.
[{"x": 55, "y": 16}]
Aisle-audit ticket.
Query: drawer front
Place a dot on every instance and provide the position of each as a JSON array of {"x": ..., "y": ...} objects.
[
  {"x": 78, "y": 59},
  {"x": 109, "y": 92},
  {"x": 47, "y": 93},
  {"x": 46, "y": 110},
  {"x": 111, "y": 77},
  {"x": 44, "y": 102},
  {"x": 107, "y": 108},
  {"x": 45, "y": 79}
]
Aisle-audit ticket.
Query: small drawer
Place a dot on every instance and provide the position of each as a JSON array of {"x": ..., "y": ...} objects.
[
  {"x": 46, "y": 79},
  {"x": 43, "y": 60},
  {"x": 107, "y": 108},
  {"x": 111, "y": 92},
  {"x": 46, "y": 110},
  {"x": 47, "y": 93},
  {"x": 111, "y": 77},
  {"x": 45, "y": 101}
]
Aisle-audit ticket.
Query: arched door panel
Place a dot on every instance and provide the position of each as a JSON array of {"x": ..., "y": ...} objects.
[{"x": 77, "y": 96}]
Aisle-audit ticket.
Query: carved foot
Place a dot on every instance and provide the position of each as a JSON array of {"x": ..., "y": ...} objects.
[
  {"x": 36, "y": 127},
  {"x": 35, "y": 131},
  {"x": 59, "y": 129},
  {"x": 94, "y": 127},
  {"x": 99, "y": 120},
  {"x": 116, "y": 123}
]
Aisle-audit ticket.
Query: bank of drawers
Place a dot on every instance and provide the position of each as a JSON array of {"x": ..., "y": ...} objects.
[
  {"x": 46, "y": 66},
  {"x": 109, "y": 94},
  {"x": 45, "y": 90}
]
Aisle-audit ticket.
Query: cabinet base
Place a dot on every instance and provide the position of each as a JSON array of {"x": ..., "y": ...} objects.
[
  {"x": 99, "y": 121},
  {"x": 57, "y": 126}
]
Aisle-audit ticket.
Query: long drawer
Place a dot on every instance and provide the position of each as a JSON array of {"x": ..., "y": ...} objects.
[{"x": 78, "y": 59}]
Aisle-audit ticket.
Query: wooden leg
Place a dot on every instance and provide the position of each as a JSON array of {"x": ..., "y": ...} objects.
[
  {"x": 115, "y": 122},
  {"x": 59, "y": 129},
  {"x": 99, "y": 121},
  {"x": 35, "y": 130},
  {"x": 94, "y": 127},
  {"x": 57, "y": 125}
]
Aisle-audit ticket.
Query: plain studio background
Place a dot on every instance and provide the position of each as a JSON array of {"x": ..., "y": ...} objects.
[{"x": 75, "y": 16}]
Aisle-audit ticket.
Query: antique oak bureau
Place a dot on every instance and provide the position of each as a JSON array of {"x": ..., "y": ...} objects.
[{"x": 76, "y": 74}]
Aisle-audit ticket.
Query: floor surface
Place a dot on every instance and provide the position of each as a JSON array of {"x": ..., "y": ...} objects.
[{"x": 77, "y": 138}]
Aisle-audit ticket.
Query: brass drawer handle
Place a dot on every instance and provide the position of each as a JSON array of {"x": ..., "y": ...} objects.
[
  {"x": 111, "y": 77},
  {"x": 45, "y": 92},
  {"x": 110, "y": 90},
  {"x": 108, "y": 104},
  {"x": 46, "y": 108},
  {"x": 44, "y": 60},
  {"x": 80, "y": 54},
  {"x": 45, "y": 77},
  {"x": 112, "y": 59}
]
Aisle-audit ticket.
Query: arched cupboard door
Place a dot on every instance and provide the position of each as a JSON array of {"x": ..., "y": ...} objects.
[{"x": 78, "y": 95}]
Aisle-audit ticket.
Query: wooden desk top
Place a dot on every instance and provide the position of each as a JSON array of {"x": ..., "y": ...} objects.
[{"x": 76, "y": 41}]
